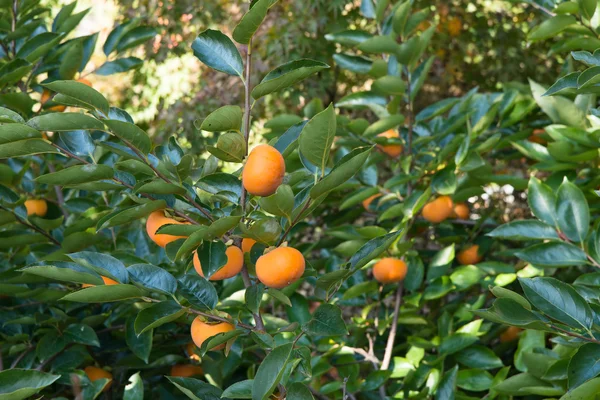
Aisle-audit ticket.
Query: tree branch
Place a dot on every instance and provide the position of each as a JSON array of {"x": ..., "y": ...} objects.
[
  {"x": 387, "y": 356},
  {"x": 35, "y": 228}
]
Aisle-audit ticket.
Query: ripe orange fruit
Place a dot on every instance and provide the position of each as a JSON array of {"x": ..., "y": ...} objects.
[
  {"x": 438, "y": 210},
  {"x": 536, "y": 137},
  {"x": 185, "y": 371},
  {"x": 264, "y": 171},
  {"x": 202, "y": 330},
  {"x": 235, "y": 262},
  {"x": 470, "y": 255},
  {"x": 106, "y": 280},
  {"x": 190, "y": 349},
  {"x": 36, "y": 207},
  {"x": 367, "y": 202},
  {"x": 392, "y": 150},
  {"x": 461, "y": 211},
  {"x": 95, "y": 373},
  {"x": 510, "y": 334},
  {"x": 47, "y": 95},
  {"x": 280, "y": 267},
  {"x": 155, "y": 221},
  {"x": 247, "y": 244},
  {"x": 389, "y": 270}
]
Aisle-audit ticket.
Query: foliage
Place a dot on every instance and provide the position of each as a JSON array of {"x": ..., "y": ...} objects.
[{"x": 99, "y": 295}]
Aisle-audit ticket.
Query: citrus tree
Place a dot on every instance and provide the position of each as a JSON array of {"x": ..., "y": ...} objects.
[{"x": 349, "y": 255}]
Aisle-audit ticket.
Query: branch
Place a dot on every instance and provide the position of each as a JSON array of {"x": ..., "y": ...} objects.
[
  {"x": 387, "y": 356},
  {"x": 21, "y": 356},
  {"x": 35, "y": 228},
  {"x": 575, "y": 335},
  {"x": 247, "y": 115}
]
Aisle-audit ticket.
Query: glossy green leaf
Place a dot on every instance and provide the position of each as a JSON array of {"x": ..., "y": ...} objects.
[
  {"x": 80, "y": 92},
  {"x": 226, "y": 118},
  {"x": 104, "y": 293},
  {"x": 345, "y": 169},
  {"x": 251, "y": 21},
  {"x": 317, "y": 137},
  {"x": 572, "y": 212},
  {"x": 198, "y": 291},
  {"x": 152, "y": 278},
  {"x": 524, "y": 230},
  {"x": 17, "y": 384},
  {"x": 56, "y": 122},
  {"x": 270, "y": 371},
  {"x": 326, "y": 321},
  {"x": 77, "y": 174},
  {"x": 286, "y": 75},
  {"x": 217, "y": 51},
  {"x": 156, "y": 315},
  {"x": 119, "y": 65},
  {"x": 553, "y": 254},
  {"x": 196, "y": 389}
]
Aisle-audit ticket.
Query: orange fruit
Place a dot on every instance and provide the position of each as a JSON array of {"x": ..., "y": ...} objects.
[
  {"x": 367, "y": 202},
  {"x": 202, "y": 330},
  {"x": 470, "y": 255},
  {"x": 84, "y": 81},
  {"x": 155, "y": 221},
  {"x": 461, "y": 211},
  {"x": 392, "y": 150},
  {"x": 106, "y": 280},
  {"x": 264, "y": 171},
  {"x": 247, "y": 244},
  {"x": 190, "y": 349},
  {"x": 389, "y": 270},
  {"x": 95, "y": 373},
  {"x": 280, "y": 267},
  {"x": 438, "y": 210},
  {"x": 510, "y": 334},
  {"x": 185, "y": 371},
  {"x": 47, "y": 95},
  {"x": 36, "y": 207},
  {"x": 536, "y": 137},
  {"x": 235, "y": 262}
]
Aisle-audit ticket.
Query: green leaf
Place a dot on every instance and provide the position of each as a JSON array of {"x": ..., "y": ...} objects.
[
  {"x": 553, "y": 254},
  {"x": 198, "y": 291},
  {"x": 158, "y": 186},
  {"x": 584, "y": 365},
  {"x": 572, "y": 212},
  {"x": 503, "y": 293},
  {"x": 17, "y": 384},
  {"x": 134, "y": 37},
  {"x": 524, "y": 384},
  {"x": 240, "y": 390},
  {"x": 587, "y": 58},
  {"x": 38, "y": 46},
  {"x": 326, "y": 321},
  {"x": 384, "y": 124},
  {"x": 362, "y": 99},
  {"x": 345, "y": 169},
  {"x": 65, "y": 271},
  {"x": 281, "y": 203},
  {"x": 13, "y": 71},
  {"x": 156, "y": 315},
  {"x": 270, "y": 371},
  {"x": 82, "y": 93},
  {"x": 9, "y": 116},
  {"x": 447, "y": 388},
  {"x": 444, "y": 181},
  {"x": 542, "y": 201},
  {"x": 478, "y": 357},
  {"x": 551, "y": 27},
  {"x": 524, "y": 230},
  {"x": 508, "y": 311},
  {"x": 400, "y": 17},
  {"x": 566, "y": 84},
  {"x": 231, "y": 147},
  {"x": 559, "y": 301},
  {"x": 71, "y": 61},
  {"x": 282, "y": 298},
  {"x": 298, "y": 391},
  {"x": 129, "y": 214},
  {"x": 104, "y": 293},
  {"x": 250, "y": 22},
  {"x": 135, "y": 389},
  {"x": 56, "y": 122},
  {"x": 217, "y": 229},
  {"x": 253, "y": 297},
  {"x": 586, "y": 391},
  {"x": 456, "y": 342},
  {"x": 152, "y": 278},
  {"x": 196, "y": 389},
  {"x": 226, "y": 118},
  {"x": 119, "y": 65},
  {"x": 286, "y": 75},
  {"x": 587, "y": 8},
  {"x": 357, "y": 64},
  {"x": 26, "y": 148},
  {"x": 217, "y": 51},
  {"x": 348, "y": 37},
  {"x": 77, "y": 174},
  {"x": 360, "y": 289},
  {"x": 474, "y": 380},
  {"x": 379, "y": 44},
  {"x": 212, "y": 257},
  {"x": 140, "y": 345},
  {"x": 317, "y": 137},
  {"x": 103, "y": 264},
  {"x": 82, "y": 334},
  {"x": 131, "y": 133},
  {"x": 372, "y": 249}
]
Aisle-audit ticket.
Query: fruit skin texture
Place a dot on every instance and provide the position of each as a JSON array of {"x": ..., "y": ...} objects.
[
  {"x": 264, "y": 171},
  {"x": 36, "y": 207},
  {"x": 461, "y": 210},
  {"x": 469, "y": 255},
  {"x": 185, "y": 371},
  {"x": 201, "y": 331},
  {"x": 95, "y": 373},
  {"x": 510, "y": 334},
  {"x": 389, "y": 270},
  {"x": 155, "y": 221},
  {"x": 247, "y": 244},
  {"x": 438, "y": 210},
  {"x": 235, "y": 262},
  {"x": 392, "y": 150},
  {"x": 367, "y": 202},
  {"x": 190, "y": 349},
  {"x": 280, "y": 267}
]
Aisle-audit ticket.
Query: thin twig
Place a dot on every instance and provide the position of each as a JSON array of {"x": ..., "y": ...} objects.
[
  {"x": 35, "y": 228},
  {"x": 575, "y": 335},
  {"x": 247, "y": 114},
  {"x": 50, "y": 359},
  {"x": 387, "y": 356},
  {"x": 59, "y": 195},
  {"x": 21, "y": 356}
]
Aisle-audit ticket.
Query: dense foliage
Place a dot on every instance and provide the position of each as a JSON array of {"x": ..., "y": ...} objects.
[{"x": 332, "y": 228}]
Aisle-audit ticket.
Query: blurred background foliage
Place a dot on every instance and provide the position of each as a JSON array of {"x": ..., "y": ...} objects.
[{"x": 480, "y": 43}]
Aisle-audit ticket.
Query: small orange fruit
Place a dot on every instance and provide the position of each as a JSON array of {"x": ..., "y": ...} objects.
[
  {"x": 36, "y": 207},
  {"x": 264, "y": 171},
  {"x": 438, "y": 210},
  {"x": 389, "y": 270},
  {"x": 367, "y": 202},
  {"x": 95, "y": 373},
  {"x": 47, "y": 95},
  {"x": 106, "y": 280},
  {"x": 461, "y": 211},
  {"x": 247, "y": 244},
  {"x": 510, "y": 334},
  {"x": 536, "y": 137},
  {"x": 470, "y": 255},
  {"x": 235, "y": 262},
  {"x": 392, "y": 150},
  {"x": 190, "y": 349},
  {"x": 155, "y": 221},
  {"x": 84, "y": 81},
  {"x": 185, "y": 371},
  {"x": 202, "y": 330},
  {"x": 280, "y": 267}
]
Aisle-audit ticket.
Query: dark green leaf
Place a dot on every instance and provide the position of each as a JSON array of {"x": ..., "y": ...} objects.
[
  {"x": 217, "y": 51},
  {"x": 270, "y": 372},
  {"x": 326, "y": 321},
  {"x": 286, "y": 75}
]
